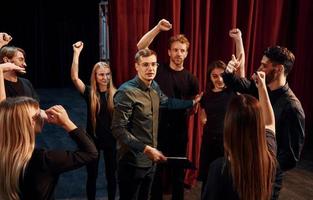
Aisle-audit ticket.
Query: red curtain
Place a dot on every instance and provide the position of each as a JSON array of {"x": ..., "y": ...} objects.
[{"x": 206, "y": 24}]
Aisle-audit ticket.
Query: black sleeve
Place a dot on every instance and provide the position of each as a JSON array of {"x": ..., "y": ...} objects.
[
  {"x": 291, "y": 138},
  {"x": 86, "y": 93},
  {"x": 271, "y": 141},
  {"x": 194, "y": 86},
  {"x": 59, "y": 161},
  {"x": 242, "y": 85}
]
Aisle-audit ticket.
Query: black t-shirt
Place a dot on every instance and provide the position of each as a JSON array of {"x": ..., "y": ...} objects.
[
  {"x": 22, "y": 87},
  {"x": 215, "y": 106},
  {"x": 219, "y": 182},
  {"x": 103, "y": 134},
  {"x": 173, "y": 123},
  {"x": 176, "y": 84}
]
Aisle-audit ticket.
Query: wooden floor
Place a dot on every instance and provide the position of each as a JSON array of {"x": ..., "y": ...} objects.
[{"x": 297, "y": 185}]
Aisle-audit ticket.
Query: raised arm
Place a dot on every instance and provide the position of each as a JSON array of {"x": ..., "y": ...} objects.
[
  {"x": 5, "y": 67},
  {"x": 147, "y": 39},
  {"x": 77, "y": 48},
  {"x": 236, "y": 35},
  {"x": 2, "y": 90},
  {"x": 59, "y": 161},
  {"x": 4, "y": 39},
  {"x": 267, "y": 110}
]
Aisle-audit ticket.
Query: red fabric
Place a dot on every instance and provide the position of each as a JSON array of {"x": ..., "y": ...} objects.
[{"x": 206, "y": 24}]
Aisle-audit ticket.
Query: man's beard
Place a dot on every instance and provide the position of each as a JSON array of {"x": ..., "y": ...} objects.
[
  {"x": 178, "y": 61},
  {"x": 271, "y": 76}
]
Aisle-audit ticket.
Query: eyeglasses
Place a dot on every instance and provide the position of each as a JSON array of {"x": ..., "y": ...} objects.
[{"x": 152, "y": 64}]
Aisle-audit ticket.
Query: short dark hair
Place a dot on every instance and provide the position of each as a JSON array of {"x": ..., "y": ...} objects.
[
  {"x": 280, "y": 55},
  {"x": 144, "y": 53}
]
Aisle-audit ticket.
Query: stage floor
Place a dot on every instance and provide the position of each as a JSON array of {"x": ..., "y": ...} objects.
[{"x": 298, "y": 183}]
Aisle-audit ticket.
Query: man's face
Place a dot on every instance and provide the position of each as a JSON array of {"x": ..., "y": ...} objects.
[
  {"x": 147, "y": 68},
  {"x": 19, "y": 59},
  {"x": 271, "y": 71},
  {"x": 178, "y": 53}
]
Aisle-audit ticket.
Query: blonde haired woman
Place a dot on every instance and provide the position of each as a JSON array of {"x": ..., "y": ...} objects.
[
  {"x": 27, "y": 172},
  {"x": 99, "y": 99}
]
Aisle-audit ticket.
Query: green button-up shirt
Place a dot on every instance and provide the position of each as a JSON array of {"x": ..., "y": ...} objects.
[{"x": 135, "y": 119}]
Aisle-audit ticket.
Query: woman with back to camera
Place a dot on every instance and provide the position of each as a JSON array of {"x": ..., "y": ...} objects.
[
  {"x": 247, "y": 170},
  {"x": 99, "y": 99},
  {"x": 27, "y": 172}
]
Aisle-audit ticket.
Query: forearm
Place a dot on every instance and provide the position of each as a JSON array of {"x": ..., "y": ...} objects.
[
  {"x": 173, "y": 104},
  {"x": 2, "y": 88},
  {"x": 240, "y": 52},
  {"x": 266, "y": 107},
  {"x": 123, "y": 136},
  {"x": 74, "y": 67},
  {"x": 147, "y": 39}
]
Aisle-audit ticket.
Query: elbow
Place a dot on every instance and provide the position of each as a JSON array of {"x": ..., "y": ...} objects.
[
  {"x": 139, "y": 46},
  {"x": 74, "y": 78},
  {"x": 93, "y": 156}
]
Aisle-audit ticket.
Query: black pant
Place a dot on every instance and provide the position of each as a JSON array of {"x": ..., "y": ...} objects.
[
  {"x": 134, "y": 182},
  {"x": 109, "y": 155},
  {"x": 167, "y": 175}
]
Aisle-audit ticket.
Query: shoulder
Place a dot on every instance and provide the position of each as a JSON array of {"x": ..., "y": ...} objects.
[
  {"x": 218, "y": 165},
  {"x": 24, "y": 80},
  {"x": 292, "y": 104}
]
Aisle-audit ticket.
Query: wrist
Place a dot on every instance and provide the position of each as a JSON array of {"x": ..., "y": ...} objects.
[{"x": 69, "y": 126}]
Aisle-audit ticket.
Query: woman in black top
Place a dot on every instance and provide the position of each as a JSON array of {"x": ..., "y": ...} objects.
[
  {"x": 247, "y": 171},
  {"x": 99, "y": 99},
  {"x": 27, "y": 172},
  {"x": 213, "y": 108}
]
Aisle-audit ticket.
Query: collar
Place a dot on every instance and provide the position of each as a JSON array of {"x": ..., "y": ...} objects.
[
  {"x": 141, "y": 84},
  {"x": 276, "y": 94}
]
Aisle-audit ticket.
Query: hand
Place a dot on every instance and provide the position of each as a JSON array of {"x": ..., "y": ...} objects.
[
  {"x": 57, "y": 115},
  {"x": 197, "y": 98},
  {"x": 235, "y": 34},
  {"x": 259, "y": 79},
  {"x": 78, "y": 46},
  {"x": 4, "y": 39},
  {"x": 154, "y": 154},
  {"x": 233, "y": 64},
  {"x": 11, "y": 67},
  {"x": 164, "y": 25}
]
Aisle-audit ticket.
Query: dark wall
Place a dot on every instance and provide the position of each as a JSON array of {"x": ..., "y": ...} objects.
[{"x": 46, "y": 30}]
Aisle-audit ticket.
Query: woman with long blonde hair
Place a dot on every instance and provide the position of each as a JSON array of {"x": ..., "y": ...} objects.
[
  {"x": 247, "y": 171},
  {"x": 27, "y": 172},
  {"x": 99, "y": 99}
]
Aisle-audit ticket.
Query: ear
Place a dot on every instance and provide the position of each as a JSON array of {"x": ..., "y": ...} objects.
[
  {"x": 136, "y": 66},
  {"x": 169, "y": 52},
  {"x": 280, "y": 69},
  {"x": 186, "y": 54},
  {"x": 6, "y": 59}
]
